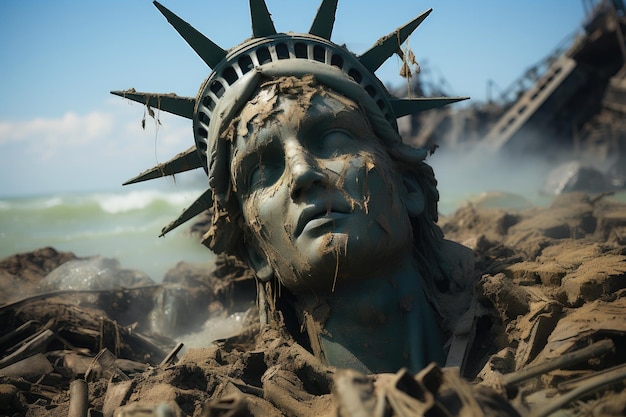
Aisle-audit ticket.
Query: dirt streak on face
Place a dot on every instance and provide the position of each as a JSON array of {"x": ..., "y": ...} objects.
[{"x": 317, "y": 189}]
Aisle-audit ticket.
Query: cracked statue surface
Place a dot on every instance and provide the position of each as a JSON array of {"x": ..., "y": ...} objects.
[
  {"x": 311, "y": 185},
  {"x": 328, "y": 212}
]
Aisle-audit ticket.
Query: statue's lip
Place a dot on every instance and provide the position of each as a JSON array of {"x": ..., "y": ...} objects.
[{"x": 323, "y": 209}]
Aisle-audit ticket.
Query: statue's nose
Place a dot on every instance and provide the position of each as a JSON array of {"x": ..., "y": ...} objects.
[{"x": 304, "y": 169}]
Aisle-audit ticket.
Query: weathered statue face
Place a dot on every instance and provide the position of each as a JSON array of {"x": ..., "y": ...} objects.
[{"x": 316, "y": 187}]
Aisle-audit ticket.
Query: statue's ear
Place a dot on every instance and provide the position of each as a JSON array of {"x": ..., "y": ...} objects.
[
  {"x": 414, "y": 195},
  {"x": 258, "y": 261}
]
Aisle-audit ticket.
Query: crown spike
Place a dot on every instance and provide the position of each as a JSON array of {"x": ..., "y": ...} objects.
[
  {"x": 206, "y": 49},
  {"x": 202, "y": 203},
  {"x": 322, "y": 25},
  {"x": 171, "y": 103},
  {"x": 387, "y": 45},
  {"x": 403, "y": 107},
  {"x": 262, "y": 24},
  {"x": 184, "y": 161}
]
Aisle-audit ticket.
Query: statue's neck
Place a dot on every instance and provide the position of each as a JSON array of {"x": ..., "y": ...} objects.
[{"x": 379, "y": 324}]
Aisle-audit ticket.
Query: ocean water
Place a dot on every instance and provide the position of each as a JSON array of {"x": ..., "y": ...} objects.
[{"x": 123, "y": 224}]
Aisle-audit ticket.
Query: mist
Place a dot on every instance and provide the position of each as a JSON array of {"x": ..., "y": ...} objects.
[{"x": 465, "y": 174}]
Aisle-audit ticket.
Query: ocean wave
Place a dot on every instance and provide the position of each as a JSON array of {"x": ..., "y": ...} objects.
[
  {"x": 124, "y": 225},
  {"x": 31, "y": 203},
  {"x": 140, "y": 200},
  {"x": 52, "y": 202},
  {"x": 89, "y": 216},
  {"x": 111, "y": 203},
  {"x": 149, "y": 229}
]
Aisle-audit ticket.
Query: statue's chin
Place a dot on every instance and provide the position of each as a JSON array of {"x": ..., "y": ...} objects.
[{"x": 333, "y": 260}]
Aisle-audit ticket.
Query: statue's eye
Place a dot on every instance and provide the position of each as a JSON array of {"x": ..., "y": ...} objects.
[
  {"x": 264, "y": 174},
  {"x": 255, "y": 177},
  {"x": 335, "y": 143},
  {"x": 263, "y": 164}
]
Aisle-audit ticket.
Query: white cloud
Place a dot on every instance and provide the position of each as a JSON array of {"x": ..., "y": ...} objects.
[
  {"x": 81, "y": 151},
  {"x": 46, "y": 138}
]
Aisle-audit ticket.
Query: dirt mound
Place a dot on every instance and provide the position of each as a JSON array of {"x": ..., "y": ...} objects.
[
  {"x": 22, "y": 273},
  {"x": 554, "y": 282},
  {"x": 546, "y": 331}
]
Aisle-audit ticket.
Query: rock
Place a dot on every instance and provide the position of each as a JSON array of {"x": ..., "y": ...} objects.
[
  {"x": 559, "y": 223},
  {"x": 470, "y": 222},
  {"x": 574, "y": 176},
  {"x": 612, "y": 223},
  {"x": 590, "y": 322},
  {"x": 32, "y": 368},
  {"x": 555, "y": 262},
  {"x": 546, "y": 273},
  {"x": 535, "y": 328},
  {"x": 570, "y": 216},
  {"x": 195, "y": 293},
  {"x": 508, "y": 298},
  {"x": 570, "y": 254},
  {"x": 595, "y": 278},
  {"x": 528, "y": 243},
  {"x": 95, "y": 273},
  {"x": 21, "y": 274},
  {"x": 502, "y": 362},
  {"x": 34, "y": 266},
  {"x": 8, "y": 392}
]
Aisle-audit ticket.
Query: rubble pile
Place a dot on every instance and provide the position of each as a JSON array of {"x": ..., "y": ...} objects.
[
  {"x": 548, "y": 333},
  {"x": 553, "y": 287},
  {"x": 53, "y": 340}
]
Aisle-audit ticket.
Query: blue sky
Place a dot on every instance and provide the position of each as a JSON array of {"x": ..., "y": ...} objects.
[{"x": 61, "y": 130}]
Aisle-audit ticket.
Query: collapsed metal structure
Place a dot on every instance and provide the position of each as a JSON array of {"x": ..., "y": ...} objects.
[{"x": 573, "y": 100}]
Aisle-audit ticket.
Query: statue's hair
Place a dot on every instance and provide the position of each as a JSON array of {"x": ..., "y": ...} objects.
[{"x": 427, "y": 235}]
